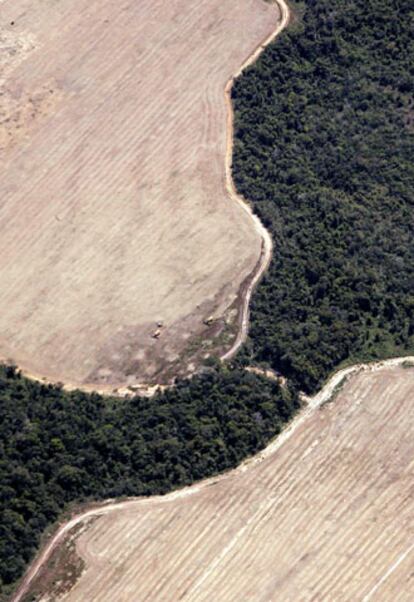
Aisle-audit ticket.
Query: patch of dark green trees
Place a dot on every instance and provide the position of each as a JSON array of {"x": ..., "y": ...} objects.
[{"x": 324, "y": 150}]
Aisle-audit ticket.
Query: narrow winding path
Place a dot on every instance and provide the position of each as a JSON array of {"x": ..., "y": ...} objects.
[{"x": 267, "y": 244}]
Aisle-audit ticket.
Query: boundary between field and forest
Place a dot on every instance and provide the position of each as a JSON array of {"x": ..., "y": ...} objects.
[
  {"x": 267, "y": 243},
  {"x": 312, "y": 405}
]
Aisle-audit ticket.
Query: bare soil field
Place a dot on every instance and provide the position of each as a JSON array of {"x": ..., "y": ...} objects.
[
  {"x": 325, "y": 513},
  {"x": 115, "y": 213}
]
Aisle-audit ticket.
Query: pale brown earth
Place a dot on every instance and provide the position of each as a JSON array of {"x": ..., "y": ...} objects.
[
  {"x": 114, "y": 213},
  {"x": 325, "y": 513}
]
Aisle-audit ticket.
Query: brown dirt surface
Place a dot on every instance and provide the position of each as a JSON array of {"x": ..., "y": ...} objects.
[
  {"x": 62, "y": 569},
  {"x": 114, "y": 208},
  {"x": 325, "y": 513}
]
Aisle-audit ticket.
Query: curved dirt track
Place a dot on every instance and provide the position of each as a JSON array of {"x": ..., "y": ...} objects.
[
  {"x": 267, "y": 244},
  {"x": 119, "y": 164},
  {"x": 359, "y": 410}
]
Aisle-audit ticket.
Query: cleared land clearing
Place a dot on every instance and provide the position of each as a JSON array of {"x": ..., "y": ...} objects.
[
  {"x": 326, "y": 513},
  {"x": 114, "y": 211}
]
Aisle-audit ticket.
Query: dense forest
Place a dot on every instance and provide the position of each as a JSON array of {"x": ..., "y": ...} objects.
[
  {"x": 324, "y": 150},
  {"x": 58, "y": 447}
]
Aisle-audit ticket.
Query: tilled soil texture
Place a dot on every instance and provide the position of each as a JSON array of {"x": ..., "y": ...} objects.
[
  {"x": 119, "y": 239},
  {"x": 326, "y": 513}
]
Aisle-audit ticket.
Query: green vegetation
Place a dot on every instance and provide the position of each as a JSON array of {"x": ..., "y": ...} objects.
[
  {"x": 324, "y": 149},
  {"x": 58, "y": 447}
]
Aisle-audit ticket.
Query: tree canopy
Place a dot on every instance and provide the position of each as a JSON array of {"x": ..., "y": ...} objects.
[{"x": 323, "y": 150}]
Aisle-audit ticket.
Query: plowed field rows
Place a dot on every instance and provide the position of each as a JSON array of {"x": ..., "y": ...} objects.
[
  {"x": 113, "y": 206},
  {"x": 327, "y": 516}
]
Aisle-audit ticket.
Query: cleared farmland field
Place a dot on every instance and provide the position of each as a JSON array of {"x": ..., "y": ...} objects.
[
  {"x": 114, "y": 213},
  {"x": 326, "y": 513}
]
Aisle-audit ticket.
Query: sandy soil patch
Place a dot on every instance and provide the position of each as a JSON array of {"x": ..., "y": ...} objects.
[{"x": 114, "y": 211}]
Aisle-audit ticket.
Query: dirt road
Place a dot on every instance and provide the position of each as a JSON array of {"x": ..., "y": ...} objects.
[{"x": 267, "y": 243}]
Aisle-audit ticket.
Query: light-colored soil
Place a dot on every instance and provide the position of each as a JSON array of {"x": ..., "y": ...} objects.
[
  {"x": 325, "y": 513},
  {"x": 114, "y": 210}
]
